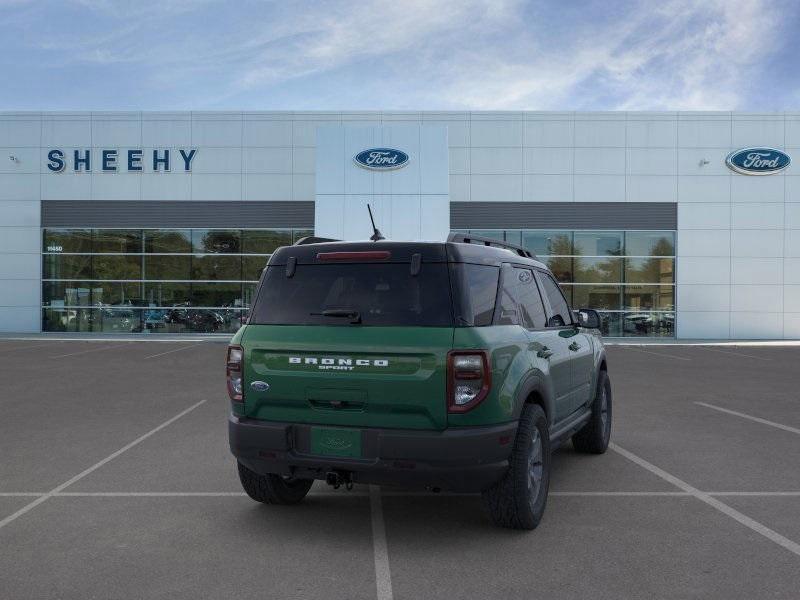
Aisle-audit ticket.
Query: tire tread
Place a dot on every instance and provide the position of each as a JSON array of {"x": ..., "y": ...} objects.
[
  {"x": 590, "y": 439},
  {"x": 272, "y": 489},
  {"x": 506, "y": 501}
]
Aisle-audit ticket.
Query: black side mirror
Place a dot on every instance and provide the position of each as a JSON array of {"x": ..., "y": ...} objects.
[{"x": 588, "y": 318}]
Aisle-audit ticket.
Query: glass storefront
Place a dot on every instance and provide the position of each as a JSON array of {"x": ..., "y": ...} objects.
[
  {"x": 153, "y": 280},
  {"x": 627, "y": 276},
  {"x": 203, "y": 280}
]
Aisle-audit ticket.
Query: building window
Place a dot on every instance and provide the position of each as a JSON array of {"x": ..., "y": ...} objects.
[
  {"x": 627, "y": 276},
  {"x": 154, "y": 280}
]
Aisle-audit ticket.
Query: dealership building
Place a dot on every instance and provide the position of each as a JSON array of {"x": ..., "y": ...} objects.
[{"x": 671, "y": 224}]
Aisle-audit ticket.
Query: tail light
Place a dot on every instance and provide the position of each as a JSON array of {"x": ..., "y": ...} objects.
[
  {"x": 468, "y": 379},
  {"x": 234, "y": 371}
]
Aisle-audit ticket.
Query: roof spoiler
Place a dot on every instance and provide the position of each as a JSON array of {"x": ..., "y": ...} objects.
[
  {"x": 466, "y": 238},
  {"x": 310, "y": 239}
]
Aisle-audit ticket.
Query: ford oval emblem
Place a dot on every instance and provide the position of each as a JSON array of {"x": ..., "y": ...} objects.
[
  {"x": 259, "y": 386},
  {"x": 758, "y": 161},
  {"x": 381, "y": 159}
]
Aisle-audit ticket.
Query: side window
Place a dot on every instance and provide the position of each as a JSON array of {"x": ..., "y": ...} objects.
[
  {"x": 559, "y": 315},
  {"x": 530, "y": 301},
  {"x": 474, "y": 292},
  {"x": 508, "y": 305},
  {"x": 482, "y": 292},
  {"x": 520, "y": 302}
]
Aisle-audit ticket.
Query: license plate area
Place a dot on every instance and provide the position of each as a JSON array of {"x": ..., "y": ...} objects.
[{"x": 332, "y": 441}]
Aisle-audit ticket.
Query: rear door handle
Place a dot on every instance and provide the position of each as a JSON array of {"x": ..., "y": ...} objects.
[
  {"x": 574, "y": 346},
  {"x": 545, "y": 352}
]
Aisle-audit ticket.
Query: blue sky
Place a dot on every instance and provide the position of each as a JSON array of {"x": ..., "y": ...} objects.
[{"x": 394, "y": 54}]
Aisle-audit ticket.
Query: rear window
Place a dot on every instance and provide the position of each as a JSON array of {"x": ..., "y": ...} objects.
[{"x": 382, "y": 294}]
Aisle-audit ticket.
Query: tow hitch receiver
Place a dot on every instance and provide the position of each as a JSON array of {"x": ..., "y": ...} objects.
[{"x": 339, "y": 478}]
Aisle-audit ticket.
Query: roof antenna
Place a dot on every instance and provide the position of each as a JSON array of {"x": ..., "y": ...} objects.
[{"x": 377, "y": 235}]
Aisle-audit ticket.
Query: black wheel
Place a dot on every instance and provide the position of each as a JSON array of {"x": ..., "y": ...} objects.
[
  {"x": 594, "y": 437},
  {"x": 273, "y": 489},
  {"x": 518, "y": 500}
]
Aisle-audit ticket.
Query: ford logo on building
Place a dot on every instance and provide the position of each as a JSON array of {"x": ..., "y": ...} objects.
[
  {"x": 381, "y": 159},
  {"x": 758, "y": 161}
]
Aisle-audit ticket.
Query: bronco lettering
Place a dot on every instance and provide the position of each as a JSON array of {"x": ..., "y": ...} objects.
[{"x": 343, "y": 364}]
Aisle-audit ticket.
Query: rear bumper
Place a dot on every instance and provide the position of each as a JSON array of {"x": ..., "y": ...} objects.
[{"x": 459, "y": 459}]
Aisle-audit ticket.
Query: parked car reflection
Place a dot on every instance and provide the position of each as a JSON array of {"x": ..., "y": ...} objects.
[
  {"x": 195, "y": 319},
  {"x": 648, "y": 324},
  {"x": 180, "y": 318}
]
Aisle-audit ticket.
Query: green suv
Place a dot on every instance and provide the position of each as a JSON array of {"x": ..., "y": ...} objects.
[{"x": 448, "y": 366}]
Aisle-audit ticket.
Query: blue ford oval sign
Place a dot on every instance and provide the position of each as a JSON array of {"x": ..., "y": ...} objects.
[
  {"x": 758, "y": 161},
  {"x": 381, "y": 159}
]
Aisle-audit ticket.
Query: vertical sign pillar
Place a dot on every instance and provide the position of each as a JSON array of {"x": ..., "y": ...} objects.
[{"x": 410, "y": 202}]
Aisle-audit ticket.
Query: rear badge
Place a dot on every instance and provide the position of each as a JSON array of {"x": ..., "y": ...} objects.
[
  {"x": 259, "y": 386},
  {"x": 337, "y": 364}
]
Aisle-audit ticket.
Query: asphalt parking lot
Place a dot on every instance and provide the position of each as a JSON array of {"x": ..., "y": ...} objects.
[{"x": 116, "y": 482}]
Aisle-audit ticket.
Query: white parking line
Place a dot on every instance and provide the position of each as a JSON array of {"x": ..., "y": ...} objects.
[
  {"x": 150, "y": 494},
  {"x": 751, "y": 418},
  {"x": 742, "y": 354},
  {"x": 618, "y": 494},
  {"x": 21, "y": 348},
  {"x": 145, "y": 338},
  {"x": 90, "y": 350},
  {"x": 729, "y": 343},
  {"x": 30, "y": 506},
  {"x": 383, "y": 576},
  {"x": 551, "y": 493},
  {"x": 356, "y": 494},
  {"x": 171, "y": 351},
  {"x": 734, "y": 514},
  {"x": 757, "y": 494},
  {"x": 657, "y": 353}
]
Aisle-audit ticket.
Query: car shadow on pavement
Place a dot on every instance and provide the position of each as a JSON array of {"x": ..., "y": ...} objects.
[{"x": 346, "y": 517}]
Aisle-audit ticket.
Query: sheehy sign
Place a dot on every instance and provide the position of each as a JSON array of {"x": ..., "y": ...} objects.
[{"x": 110, "y": 161}]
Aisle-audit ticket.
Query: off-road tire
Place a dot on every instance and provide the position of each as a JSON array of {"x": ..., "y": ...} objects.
[
  {"x": 273, "y": 489},
  {"x": 594, "y": 437},
  {"x": 513, "y": 502}
]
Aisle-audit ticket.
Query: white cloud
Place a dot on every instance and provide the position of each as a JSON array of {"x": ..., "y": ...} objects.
[
  {"x": 473, "y": 54},
  {"x": 322, "y": 39},
  {"x": 710, "y": 62},
  {"x": 684, "y": 56}
]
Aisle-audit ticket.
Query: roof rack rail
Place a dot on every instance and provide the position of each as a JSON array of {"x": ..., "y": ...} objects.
[
  {"x": 466, "y": 238},
  {"x": 310, "y": 239}
]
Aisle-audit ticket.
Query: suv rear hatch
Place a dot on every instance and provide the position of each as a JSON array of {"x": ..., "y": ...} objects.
[{"x": 351, "y": 334}]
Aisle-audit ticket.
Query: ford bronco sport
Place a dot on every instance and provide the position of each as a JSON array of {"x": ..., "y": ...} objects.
[{"x": 455, "y": 366}]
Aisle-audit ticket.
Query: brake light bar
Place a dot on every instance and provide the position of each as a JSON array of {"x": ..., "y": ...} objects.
[{"x": 366, "y": 255}]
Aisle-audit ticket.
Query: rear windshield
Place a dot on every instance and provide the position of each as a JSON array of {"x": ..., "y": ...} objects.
[{"x": 380, "y": 293}]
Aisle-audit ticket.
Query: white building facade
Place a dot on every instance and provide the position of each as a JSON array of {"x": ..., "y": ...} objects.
[{"x": 161, "y": 222}]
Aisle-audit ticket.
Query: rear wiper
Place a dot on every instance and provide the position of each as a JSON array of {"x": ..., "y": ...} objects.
[{"x": 343, "y": 313}]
